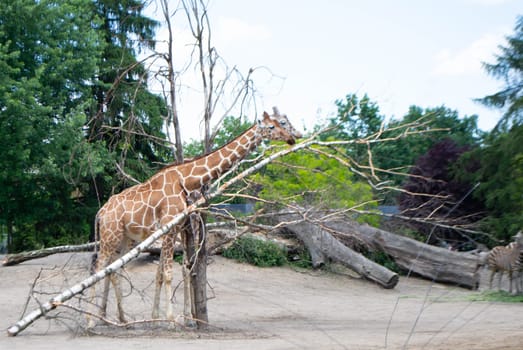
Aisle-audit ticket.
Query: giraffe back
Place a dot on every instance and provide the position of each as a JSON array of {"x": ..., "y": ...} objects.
[{"x": 138, "y": 210}]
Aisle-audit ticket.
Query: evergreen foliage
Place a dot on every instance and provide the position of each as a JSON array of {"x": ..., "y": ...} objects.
[
  {"x": 498, "y": 167},
  {"x": 56, "y": 58},
  {"x": 508, "y": 68}
]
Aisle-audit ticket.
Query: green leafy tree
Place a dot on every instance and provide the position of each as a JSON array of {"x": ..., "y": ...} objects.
[
  {"x": 356, "y": 119},
  {"x": 500, "y": 174},
  {"x": 509, "y": 68},
  {"x": 48, "y": 55},
  {"x": 359, "y": 119},
  {"x": 402, "y": 152},
  {"x": 313, "y": 179}
]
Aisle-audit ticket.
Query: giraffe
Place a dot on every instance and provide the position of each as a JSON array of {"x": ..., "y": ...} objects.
[
  {"x": 136, "y": 212},
  {"x": 284, "y": 122}
]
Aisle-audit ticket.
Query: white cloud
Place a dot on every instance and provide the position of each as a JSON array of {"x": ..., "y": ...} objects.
[
  {"x": 467, "y": 60},
  {"x": 234, "y": 30}
]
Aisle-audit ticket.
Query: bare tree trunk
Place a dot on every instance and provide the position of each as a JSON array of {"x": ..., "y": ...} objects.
[
  {"x": 18, "y": 258},
  {"x": 173, "y": 111},
  {"x": 13, "y": 259},
  {"x": 193, "y": 272},
  {"x": 199, "y": 271}
]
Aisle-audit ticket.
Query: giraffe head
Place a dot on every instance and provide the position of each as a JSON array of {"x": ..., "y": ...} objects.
[
  {"x": 284, "y": 122},
  {"x": 271, "y": 129}
]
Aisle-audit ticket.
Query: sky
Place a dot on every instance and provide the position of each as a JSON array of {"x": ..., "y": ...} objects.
[{"x": 308, "y": 54}]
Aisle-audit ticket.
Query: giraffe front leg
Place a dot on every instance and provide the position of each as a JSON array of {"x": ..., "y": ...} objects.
[
  {"x": 168, "y": 278},
  {"x": 105, "y": 296},
  {"x": 187, "y": 297},
  {"x": 158, "y": 288},
  {"x": 164, "y": 277}
]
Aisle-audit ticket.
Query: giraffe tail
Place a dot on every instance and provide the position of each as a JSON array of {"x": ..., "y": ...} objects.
[{"x": 94, "y": 257}]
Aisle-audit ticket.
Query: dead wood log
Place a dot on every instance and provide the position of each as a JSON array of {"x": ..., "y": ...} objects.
[
  {"x": 324, "y": 246},
  {"x": 215, "y": 240},
  {"x": 13, "y": 259},
  {"x": 435, "y": 263},
  {"x": 17, "y": 258}
]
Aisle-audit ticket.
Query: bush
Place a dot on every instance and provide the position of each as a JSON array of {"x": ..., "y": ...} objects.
[
  {"x": 256, "y": 252},
  {"x": 384, "y": 260}
]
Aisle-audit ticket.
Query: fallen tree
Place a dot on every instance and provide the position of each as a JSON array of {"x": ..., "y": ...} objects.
[
  {"x": 214, "y": 242},
  {"x": 17, "y": 258},
  {"x": 320, "y": 233},
  {"x": 435, "y": 263}
]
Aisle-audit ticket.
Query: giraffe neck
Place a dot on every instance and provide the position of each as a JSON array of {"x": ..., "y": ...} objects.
[{"x": 199, "y": 172}]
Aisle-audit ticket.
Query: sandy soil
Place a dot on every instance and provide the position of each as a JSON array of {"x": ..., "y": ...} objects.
[{"x": 274, "y": 308}]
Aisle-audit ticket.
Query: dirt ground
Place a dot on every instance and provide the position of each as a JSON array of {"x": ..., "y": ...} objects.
[{"x": 266, "y": 308}]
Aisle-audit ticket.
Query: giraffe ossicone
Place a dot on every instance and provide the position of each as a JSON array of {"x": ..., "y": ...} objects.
[{"x": 136, "y": 212}]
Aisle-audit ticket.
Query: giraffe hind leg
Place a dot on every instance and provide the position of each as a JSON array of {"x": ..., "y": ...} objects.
[
  {"x": 164, "y": 277},
  {"x": 100, "y": 263},
  {"x": 105, "y": 296},
  {"x": 115, "y": 279}
]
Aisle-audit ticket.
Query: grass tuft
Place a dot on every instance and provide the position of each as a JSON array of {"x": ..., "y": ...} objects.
[{"x": 501, "y": 296}]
